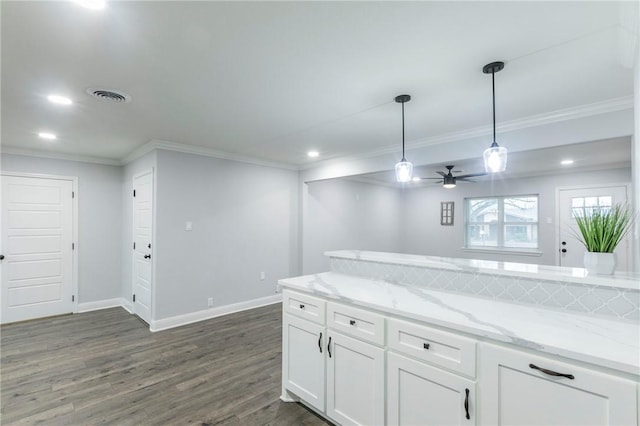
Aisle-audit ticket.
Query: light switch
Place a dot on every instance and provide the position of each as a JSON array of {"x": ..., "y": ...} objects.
[{"x": 188, "y": 226}]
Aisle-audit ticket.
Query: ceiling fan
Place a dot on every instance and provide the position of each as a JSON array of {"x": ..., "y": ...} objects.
[{"x": 449, "y": 180}]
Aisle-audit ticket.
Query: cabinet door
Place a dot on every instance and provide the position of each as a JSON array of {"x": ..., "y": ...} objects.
[
  {"x": 419, "y": 394},
  {"x": 303, "y": 360},
  {"x": 355, "y": 381},
  {"x": 516, "y": 391}
]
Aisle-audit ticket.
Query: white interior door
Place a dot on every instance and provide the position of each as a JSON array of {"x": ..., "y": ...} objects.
[
  {"x": 142, "y": 244},
  {"x": 571, "y": 250},
  {"x": 37, "y": 238}
]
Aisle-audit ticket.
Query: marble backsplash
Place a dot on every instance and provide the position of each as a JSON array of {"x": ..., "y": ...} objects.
[{"x": 586, "y": 298}]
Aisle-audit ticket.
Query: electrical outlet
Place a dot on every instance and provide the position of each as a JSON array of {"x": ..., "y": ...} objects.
[
  {"x": 210, "y": 302},
  {"x": 262, "y": 276}
]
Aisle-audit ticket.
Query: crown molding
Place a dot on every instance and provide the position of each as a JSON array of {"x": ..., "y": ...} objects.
[
  {"x": 581, "y": 111},
  {"x": 60, "y": 156},
  {"x": 198, "y": 150}
]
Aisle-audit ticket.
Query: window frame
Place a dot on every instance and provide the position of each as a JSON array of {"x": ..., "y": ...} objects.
[{"x": 500, "y": 224}]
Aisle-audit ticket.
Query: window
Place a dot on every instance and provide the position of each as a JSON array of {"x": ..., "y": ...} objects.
[
  {"x": 502, "y": 222},
  {"x": 583, "y": 206}
]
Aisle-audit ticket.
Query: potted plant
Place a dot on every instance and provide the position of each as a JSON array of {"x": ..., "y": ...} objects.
[{"x": 601, "y": 231}]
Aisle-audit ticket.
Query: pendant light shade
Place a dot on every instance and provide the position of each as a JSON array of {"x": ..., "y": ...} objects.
[
  {"x": 404, "y": 169},
  {"x": 495, "y": 157}
]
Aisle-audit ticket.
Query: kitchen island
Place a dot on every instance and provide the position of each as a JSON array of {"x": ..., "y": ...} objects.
[{"x": 386, "y": 338}]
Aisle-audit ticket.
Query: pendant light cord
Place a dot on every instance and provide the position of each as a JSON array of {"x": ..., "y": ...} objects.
[
  {"x": 493, "y": 87},
  {"x": 404, "y": 159}
]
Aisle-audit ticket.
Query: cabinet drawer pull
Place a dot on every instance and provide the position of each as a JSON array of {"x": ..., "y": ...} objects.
[
  {"x": 352, "y": 322},
  {"x": 426, "y": 345},
  {"x": 466, "y": 403},
  {"x": 551, "y": 373},
  {"x": 329, "y": 347},
  {"x": 301, "y": 306}
]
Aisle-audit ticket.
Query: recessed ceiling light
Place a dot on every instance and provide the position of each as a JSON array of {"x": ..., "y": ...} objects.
[
  {"x": 57, "y": 99},
  {"x": 313, "y": 154},
  {"x": 46, "y": 135},
  {"x": 91, "y": 4},
  {"x": 566, "y": 162}
]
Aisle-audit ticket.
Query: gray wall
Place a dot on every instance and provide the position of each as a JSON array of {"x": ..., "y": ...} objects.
[
  {"x": 245, "y": 221},
  {"x": 423, "y": 234},
  {"x": 344, "y": 214},
  {"x": 133, "y": 168},
  {"x": 99, "y": 220}
]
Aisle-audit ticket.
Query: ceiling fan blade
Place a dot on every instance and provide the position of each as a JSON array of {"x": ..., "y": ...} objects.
[
  {"x": 430, "y": 178},
  {"x": 441, "y": 173},
  {"x": 471, "y": 175},
  {"x": 465, "y": 180}
]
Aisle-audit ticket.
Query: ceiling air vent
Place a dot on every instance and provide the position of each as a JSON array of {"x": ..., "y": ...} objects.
[{"x": 109, "y": 95}]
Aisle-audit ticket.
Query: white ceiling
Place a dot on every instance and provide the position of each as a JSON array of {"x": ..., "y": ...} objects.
[{"x": 273, "y": 80}]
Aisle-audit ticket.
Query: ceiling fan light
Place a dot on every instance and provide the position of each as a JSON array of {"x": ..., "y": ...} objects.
[
  {"x": 449, "y": 185},
  {"x": 495, "y": 159},
  {"x": 404, "y": 170}
]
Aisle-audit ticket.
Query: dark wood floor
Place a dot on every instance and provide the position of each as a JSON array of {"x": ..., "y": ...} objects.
[{"x": 106, "y": 367}]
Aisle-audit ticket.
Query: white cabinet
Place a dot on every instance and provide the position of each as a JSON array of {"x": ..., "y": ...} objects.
[
  {"x": 355, "y": 381},
  {"x": 319, "y": 362},
  {"x": 419, "y": 394},
  {"x": 303, "y": 360},
  {"x": 519, "y": 388}
]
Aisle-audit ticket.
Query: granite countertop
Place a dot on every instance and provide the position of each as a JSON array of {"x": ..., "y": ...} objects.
[
  {"x": 523, "y": 270},
  {"x": 602, "y": 341}
]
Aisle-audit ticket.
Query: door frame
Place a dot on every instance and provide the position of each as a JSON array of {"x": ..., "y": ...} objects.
[
  {"x": 74, "y": 224},
  {"x": 151, "y": 170},
  {"x": 626, "y": 185}
]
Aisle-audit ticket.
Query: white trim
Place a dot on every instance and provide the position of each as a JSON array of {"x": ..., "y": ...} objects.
[
  {"x": 626, "y": 185},
  {"x": 60, "y": 156},
  {"x": 179, "y": 320},
  {"x": 100, "y": 304},
  {"x": 74, "y": 223},
  {"x": 206, "y": 152},
  {"x": 126, "y": 305},
  {"x": 581, "y": 111}
]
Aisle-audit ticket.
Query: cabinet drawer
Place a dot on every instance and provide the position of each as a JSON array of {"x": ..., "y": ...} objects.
[
  {"x": 304, "y": 306},
  {"x": 435, "y": 346},
  {"x": 355, "y": 322}
]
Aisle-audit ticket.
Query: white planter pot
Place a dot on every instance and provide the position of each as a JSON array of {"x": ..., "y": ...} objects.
[{"x": 600, "y": 263}]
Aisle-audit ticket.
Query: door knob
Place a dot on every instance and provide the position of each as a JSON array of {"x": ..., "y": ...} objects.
[
  {"x": 564, "y": 243},
  {"x": 564, "y": 250},
  {"x": 1, "y": 256},
  {"x": 147, "y": 256}
]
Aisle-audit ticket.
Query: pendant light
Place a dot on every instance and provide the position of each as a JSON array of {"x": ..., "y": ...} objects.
[
  {"x": 495, "y": 157},
  {"x": 404, "y": 169}
]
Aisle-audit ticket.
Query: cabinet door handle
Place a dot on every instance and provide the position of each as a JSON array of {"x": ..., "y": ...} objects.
[
  {"x": 466, "y": 404},
  {"x": 329, "y": 347},
  {"x": 301, "y": 306},
  {"x": 352, "y": 322},
  {"x": 320, "y": 342},
  {"x": 551, "y": 373}
]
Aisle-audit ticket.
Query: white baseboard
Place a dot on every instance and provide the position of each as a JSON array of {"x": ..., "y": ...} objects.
[
  {"x": 171, "y": 322},
  {"x": 100, "y": 304},
  {"x": 126, "y": 305}
]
